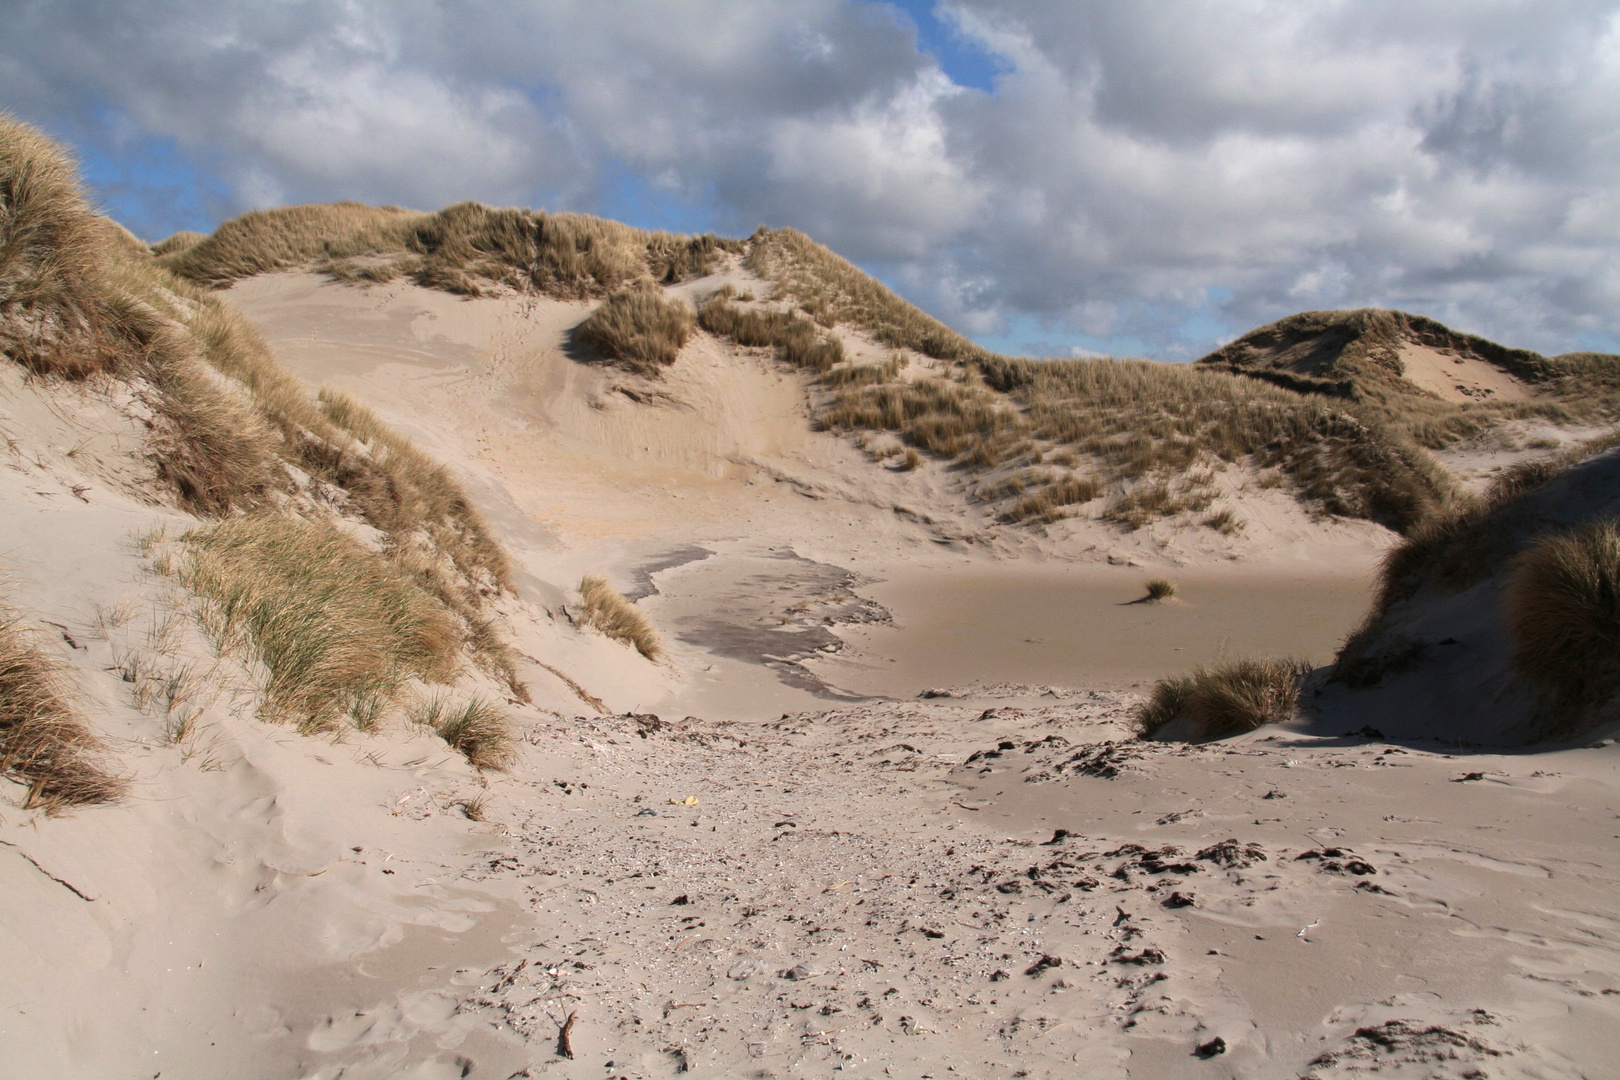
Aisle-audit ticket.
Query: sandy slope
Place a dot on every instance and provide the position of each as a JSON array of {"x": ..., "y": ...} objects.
[
  {"x": 707, "y": 492},
  {"x": 866, "y": 887}
]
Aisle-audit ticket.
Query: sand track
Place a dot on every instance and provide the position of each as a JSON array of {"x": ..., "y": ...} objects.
[{"x": 862, "y": 891}]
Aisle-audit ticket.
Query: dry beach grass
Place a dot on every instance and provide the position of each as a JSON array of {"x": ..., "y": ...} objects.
[
  {"x": 1563, "y": 616},
  {"x": 639, "y": 328},
  {"x": 337, "y": 632},
  {"x": 233, "y": 432},
  {"x": 44, "y": 740},
  {"x": 604, "y": 608},
  {"x": 1227, "y": 699}
]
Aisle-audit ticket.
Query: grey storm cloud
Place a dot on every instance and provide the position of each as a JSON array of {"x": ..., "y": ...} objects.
[{"x": 1138, "y": 168}]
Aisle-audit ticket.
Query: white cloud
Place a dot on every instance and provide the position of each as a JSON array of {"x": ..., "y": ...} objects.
[{"x": 1140, "y": 170}]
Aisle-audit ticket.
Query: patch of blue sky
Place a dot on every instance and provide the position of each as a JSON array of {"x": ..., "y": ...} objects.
[
  {"x": 629, "y": 197},
  {"x": 1597, "y": 341},
  {"x": 961, "y": 58},
  {"x": 1032, "y": 335},
  {"x": 147, "y": 183},
  {"x": 1168, "y": 335}
]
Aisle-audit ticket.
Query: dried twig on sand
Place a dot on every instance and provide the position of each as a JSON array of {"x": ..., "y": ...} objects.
[{"x": 565, "y": 1037}]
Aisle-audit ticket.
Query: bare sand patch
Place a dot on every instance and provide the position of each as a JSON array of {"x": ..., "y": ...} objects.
[{"x": 1458, "y": 379}]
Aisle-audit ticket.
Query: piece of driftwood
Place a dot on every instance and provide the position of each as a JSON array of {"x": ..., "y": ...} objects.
[{"x": 565, "y": 1037}]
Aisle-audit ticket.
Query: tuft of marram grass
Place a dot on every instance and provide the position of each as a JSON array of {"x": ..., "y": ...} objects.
[
  {"x": 1226, "y": 700},
  {"x": 44, "y": 742},
  {"x": 605, "y": 608},
  {"x": 338, "y": 630},
  {"x": 1161, "y": 589},
  {"x": 639, "y": 328},
  {"x": 478, "y": 729},
  {"x": 1562, "y": 610}
]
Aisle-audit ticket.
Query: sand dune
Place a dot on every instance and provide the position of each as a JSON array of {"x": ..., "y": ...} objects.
[{"x": 878, "y": 808}]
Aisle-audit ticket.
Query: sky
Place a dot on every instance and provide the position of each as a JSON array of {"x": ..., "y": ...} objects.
[{"x": 1051, "y": 177}]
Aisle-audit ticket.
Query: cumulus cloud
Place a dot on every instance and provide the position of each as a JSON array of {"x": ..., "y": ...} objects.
[{"x": 1156, "y": 176}]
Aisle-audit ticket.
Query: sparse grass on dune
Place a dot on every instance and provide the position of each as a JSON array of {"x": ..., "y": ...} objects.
[
  {"x": 79, "y": 300},
  {"x": 1216, "y": 702},
  {"x": 637, "y": 327},
  {"x": 1145, "y": 427},
  {"x": 605, "y": 608},
  {"x": 44, "y": 742},
  {"x": 1052, "y": 497},
  {"x": 795, "y": 337},
  {"x": 1562, "y": 610},
  {"x": 479, "y": 730},
  {"x": 338, "y": 626},
  {"x": 832, "y": 290},
  {"x": 467, "y": 248},
  {"x": 405, "y": 493},
  {"x": 337, "y": 630},
  {"x": 1139, "y": 425}
]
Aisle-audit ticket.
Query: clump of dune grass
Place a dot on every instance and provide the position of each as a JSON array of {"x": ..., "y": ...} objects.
[
  {"x": 1232, "y": 698},
  {"x": 605, "y": 608},
  {"x": 795, "y": 337},
  {"x": 468, "y": 248},
  {"x": 1562, "y": 610},
  {"x": 338, "y": 630},
  {"x": 1161, "y": 589},
  {"x": 478, "y": 729},
  {"x": 639, "y": 328},
  {"x": 44, "y": 742}
]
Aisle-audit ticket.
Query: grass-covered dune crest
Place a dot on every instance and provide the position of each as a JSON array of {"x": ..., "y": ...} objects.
[{"x": 467, "y": 248}]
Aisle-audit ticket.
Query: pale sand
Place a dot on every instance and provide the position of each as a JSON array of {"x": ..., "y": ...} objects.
[
  {"x": 1458, "y": 378},
  {"x": 854, "y": 877}
]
